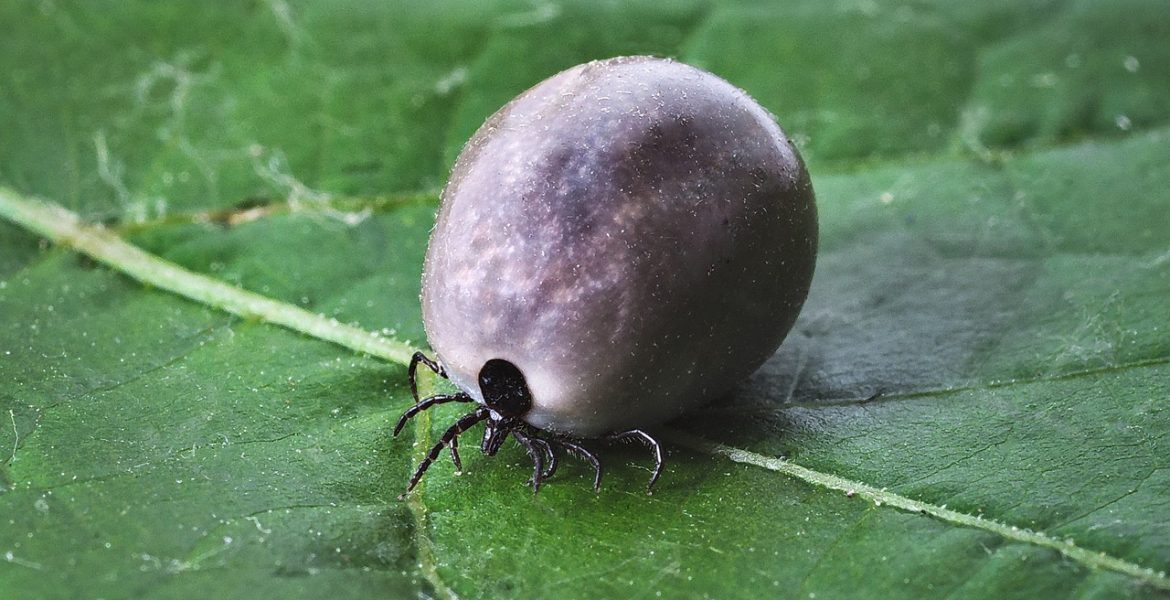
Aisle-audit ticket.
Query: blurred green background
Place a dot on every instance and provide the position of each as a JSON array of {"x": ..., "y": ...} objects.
[{"x": 995, "y": 258}]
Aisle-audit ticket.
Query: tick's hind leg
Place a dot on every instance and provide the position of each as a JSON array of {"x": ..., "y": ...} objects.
[
  {"x": 571, "y": 446},
  {"x": 419, "y": 357},
  {"x": 550, "y": 456},
  {"x": 581, "y": 452},
  {"x": 637, "y": 435},
  {"x": 454, "y": 447},
  {"x": 421, "y": 405},
  {"x": 536, "y": 453},
  {"x": 427, "y": 403},
  {"x": 463, "y": 424}
]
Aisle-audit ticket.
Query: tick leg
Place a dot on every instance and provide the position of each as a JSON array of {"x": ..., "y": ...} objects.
[
  {"x": 463, "y": 424},
  {"x": 549, "y": 454},
  {"x": 643, "y": 437},
  {"x": 419, "y": 357},
  {"x": 583, "y": 453},
  {"x": 427, "y": 403},
  {"x": 537, "y": 459},
  {"x": 454, "y": 446}
]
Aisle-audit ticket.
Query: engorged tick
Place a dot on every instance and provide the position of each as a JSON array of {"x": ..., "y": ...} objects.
[{"x": 620, "y": 243}]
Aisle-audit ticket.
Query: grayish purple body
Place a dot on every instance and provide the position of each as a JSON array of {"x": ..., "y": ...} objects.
[{"x": 636, "y": 235}]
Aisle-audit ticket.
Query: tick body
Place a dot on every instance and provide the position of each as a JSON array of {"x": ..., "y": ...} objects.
[{"x": 617, "y": 245}]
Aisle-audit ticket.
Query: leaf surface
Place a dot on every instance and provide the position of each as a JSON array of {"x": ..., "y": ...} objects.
[{"x": 995, "y": 260}]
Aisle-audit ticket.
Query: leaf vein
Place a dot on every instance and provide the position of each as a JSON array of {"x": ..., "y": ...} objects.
[{"x": 1084, "y": 556}]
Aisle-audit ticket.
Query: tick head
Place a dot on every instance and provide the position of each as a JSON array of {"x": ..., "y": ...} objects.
[{"x": 504, "y": 388}]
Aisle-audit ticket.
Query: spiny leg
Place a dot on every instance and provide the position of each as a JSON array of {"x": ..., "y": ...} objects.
[
  {"x": 553, "y": 460},
  {"x": 583, "y": 453},
  {"x": 454, "y": 446},
  {"x": 537, "y": 459},
  {"x": 642, "y": 436},
  {"x": 427, "y": 403},
  {"x": 419, "y": 357},
  {"x": 463, "y": 424},
  {"x": 549, "y": 454}
]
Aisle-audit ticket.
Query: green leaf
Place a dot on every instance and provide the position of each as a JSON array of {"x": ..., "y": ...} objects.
[{"x": 197, "y": 398}]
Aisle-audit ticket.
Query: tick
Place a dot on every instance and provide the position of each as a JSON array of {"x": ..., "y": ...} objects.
[{"x": 617, "y": 245}]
